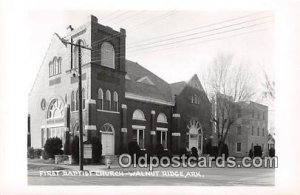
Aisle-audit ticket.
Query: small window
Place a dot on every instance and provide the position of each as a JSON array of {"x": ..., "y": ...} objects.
[
  {"x": 239, "y": 112},
  {"x": 72, "y": 101},
  {"x": 239, "y": 130},
  {"x": 162, "y": 138},
  {"x": 138, "y": 115},
  {"x": 77, "y": 101},
  {"x": 192, "y": 99},
  {"x": 100, "y": 99},
  {"x": 116, "y": 100},
  {"x": 139, "y": 136},
  {"x": 258, "y": 131},
  {"x": 263, "y": 132},
  {"x": 108, "y": 100},
  {"x": 162, "y": 118},
  {"x": 83, "y": 98},
  {"x": 252, "y": 133},
  {"x": 238, "y": 147}
]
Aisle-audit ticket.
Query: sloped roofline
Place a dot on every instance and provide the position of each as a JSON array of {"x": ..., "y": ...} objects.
[{"x": 54, "y": 35}]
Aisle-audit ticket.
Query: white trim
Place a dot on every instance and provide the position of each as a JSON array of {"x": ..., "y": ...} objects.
[
  {"x": 127, "y": 77},
  {"x": 147, "y": 99},
  {"x": 145, "y": 78},
  {"x": 106, "y": 132},
  {"x": 176, "y": 134},
  {"x": 161, "y": 129},
  {"x": 108, "y": 111},
  {"x": 90, "y": 101},
  {"x": 55, "y": 125},
  {"x": 124, "y": 106},
  {"x": 138, "y": 127},
  {"x": 153, "y": 112},
  {"x": 152, "y": 133},
  {"x": 176, "y": 115},
  {"x": 90, "y": 127},
  {"x": 124, "y": 130}
]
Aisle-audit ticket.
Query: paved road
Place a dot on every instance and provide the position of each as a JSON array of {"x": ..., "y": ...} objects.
[{"x": 210, "y": 177}]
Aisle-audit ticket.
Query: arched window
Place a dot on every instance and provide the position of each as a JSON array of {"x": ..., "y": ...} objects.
[
  {"x": 50, "y": 69},
  {"x": 55, "y": 71},
  {"x": 107, "y": 128},
  {"x": 108, "y": 100},
  {"x": 116, "y": 100},
  {"x": 72, "y": 101},
  {"x": 77, "y": 101},
  {"x": 196, "y": 99},
  {"x": 55, "y": 109},
  {"x": 59, "y": 65},
  {"x": 162, "y": 118},
  {"x": 100, "y": 99},
  {"x": 192, "y": 99},
  {"x": 138, "y": 115},
  {"x": 83, "y": 98},
  {"x": 76, "y": 53},
  {"x": 107, "y": 55}
]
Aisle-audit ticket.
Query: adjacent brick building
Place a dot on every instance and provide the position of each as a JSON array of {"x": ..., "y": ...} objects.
[
  {"x": 249, "y": 128},
  {"x": 122, "y": 101}
]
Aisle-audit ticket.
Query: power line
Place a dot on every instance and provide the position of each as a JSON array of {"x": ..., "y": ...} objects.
[
  {"x": 121, "y": 14},
  {"x": 118, "y": 34},
  {"x": 224, "y": 21},
  {"x": 109, "y": 15},
  {"x": 187, "y": 35},
  {"x": 199, "y": 27},
  {"x": 138, "y": 12},
  {"x": 235, "y": 35},
  {"x": 151, "y": 21},
  {"x": 192, "y": 38}
]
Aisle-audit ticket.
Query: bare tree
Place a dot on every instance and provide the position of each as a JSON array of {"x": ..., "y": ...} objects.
[
  {"x": 229, "y": 82},
  {"x": 269, "y": 87},
  {"x": 230, "y": 78}
]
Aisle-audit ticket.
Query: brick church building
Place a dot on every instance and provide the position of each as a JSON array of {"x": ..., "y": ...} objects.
[{"x": 122, "y": 100}]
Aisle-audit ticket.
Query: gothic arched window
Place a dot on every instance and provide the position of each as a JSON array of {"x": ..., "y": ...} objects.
[
  {"x": 116, "y": 100},
  {"x": 55, "y": 109},
  {"x": 107, "y": 55},
  {"x": 100, "y": 99},
  {"x": 108, "y": 100}
]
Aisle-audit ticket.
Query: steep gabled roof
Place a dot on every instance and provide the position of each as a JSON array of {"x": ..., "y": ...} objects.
[
  {"x": 160, "y": 89},
  {"x": 177, "y": 88}
]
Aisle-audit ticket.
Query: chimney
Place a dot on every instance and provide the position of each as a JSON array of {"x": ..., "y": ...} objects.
[{"x": 93, "y": 18}]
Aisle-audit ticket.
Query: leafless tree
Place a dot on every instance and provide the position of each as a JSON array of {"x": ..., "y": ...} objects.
[
  {"x": 230, "y": 82},
  {"x": 269, "y": 87}
]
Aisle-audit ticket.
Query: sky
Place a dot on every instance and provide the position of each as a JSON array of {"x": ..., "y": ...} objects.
[{"x": 157, "y": 39}]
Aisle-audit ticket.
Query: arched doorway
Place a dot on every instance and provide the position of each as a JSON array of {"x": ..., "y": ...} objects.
[
  {"x": 195, "y": 135},
  {"x": 107, "y": 139}
]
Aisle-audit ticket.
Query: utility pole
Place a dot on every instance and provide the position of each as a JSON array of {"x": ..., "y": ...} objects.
[
  {"x": 79, "y": 97},
  {"x": 80, "y": 109}
]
